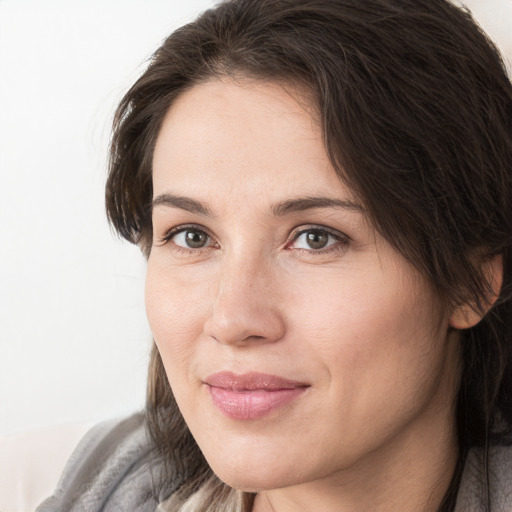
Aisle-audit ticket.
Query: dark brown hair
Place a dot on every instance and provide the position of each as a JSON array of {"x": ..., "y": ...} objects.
[{"x": 416, "y": 110}]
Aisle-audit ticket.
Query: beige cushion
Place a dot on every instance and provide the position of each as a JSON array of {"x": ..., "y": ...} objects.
[{"x": 32, "y": 462}]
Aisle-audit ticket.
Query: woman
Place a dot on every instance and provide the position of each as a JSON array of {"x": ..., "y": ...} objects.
[{"x": 322, "y": 189}]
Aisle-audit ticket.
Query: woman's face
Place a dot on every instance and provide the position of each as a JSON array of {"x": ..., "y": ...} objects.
[{"x": 298, "y": 343}]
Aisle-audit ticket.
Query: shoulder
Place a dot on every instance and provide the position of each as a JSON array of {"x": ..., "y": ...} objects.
[
  {"x": 473, "y": 488},
  {"x": 111, "y": 469}
]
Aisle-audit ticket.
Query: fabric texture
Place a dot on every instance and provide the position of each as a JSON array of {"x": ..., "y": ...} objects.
[{"x": 112, "y": 470}]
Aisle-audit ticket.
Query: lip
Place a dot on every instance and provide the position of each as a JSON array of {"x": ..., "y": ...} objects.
[{"x": 251, "y": 395}]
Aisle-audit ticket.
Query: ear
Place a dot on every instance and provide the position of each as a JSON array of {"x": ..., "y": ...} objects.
[{"x": 468, "y": 315}]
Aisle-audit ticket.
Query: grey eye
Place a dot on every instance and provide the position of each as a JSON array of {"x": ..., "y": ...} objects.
[
  {"x": 191, "y": 239},
  {"x": 316, "y": 239}
]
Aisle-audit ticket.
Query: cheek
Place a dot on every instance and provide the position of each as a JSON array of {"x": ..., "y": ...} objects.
[
  {"x": 175, "y": 310},
  {"x": 377, "y": 339},
  {"x": 366, "y": 311}
]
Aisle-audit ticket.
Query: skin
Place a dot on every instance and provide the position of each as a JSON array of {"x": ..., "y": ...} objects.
[{"x": 375, "y": 429}]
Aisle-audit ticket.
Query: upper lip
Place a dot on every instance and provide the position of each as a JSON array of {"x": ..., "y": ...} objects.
[{"x": 251, "y": 381}]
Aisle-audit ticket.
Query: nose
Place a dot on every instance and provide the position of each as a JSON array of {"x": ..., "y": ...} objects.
[{"x": 245, "y": 306}]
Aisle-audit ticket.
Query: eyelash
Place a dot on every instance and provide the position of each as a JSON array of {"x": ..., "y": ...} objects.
[
  {"x": 169, "y": 235},
  {"x": 340, "y": 244}
]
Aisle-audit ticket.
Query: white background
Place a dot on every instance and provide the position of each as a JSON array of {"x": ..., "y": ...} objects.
[
  {"x": 74, "y": 340},
  {"x": 73, "y": 335}
]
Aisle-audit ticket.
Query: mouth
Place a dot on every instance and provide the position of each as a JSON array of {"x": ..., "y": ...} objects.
[{"x": 252, "y": 395}]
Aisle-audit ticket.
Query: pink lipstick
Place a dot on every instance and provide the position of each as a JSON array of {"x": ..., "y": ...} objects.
[{"x": 251, "y": 395}]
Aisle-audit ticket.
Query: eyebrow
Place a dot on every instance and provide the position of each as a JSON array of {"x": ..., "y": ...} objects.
[
  {"x": 286, "y": 207},
  {"x": 309, "y": 203},
  {"x": 184, "y": 203}
]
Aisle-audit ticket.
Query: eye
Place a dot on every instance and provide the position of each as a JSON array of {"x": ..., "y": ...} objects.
[
  {"x": 191, "y": 239},
  {"x": 188, "y": 238},
  {"x": 317, "y": 239}
]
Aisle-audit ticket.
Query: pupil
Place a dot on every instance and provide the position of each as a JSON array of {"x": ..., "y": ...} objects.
[
  {"x": 317, "y": 239},
  {"x": 195, "y": 239}
]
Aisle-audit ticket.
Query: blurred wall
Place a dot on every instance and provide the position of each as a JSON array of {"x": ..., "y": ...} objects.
[
  {"x": 73, "y": 335},
  {"x": 495, "y": 16}
]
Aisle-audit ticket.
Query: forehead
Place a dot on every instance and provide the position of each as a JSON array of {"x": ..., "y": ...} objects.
[{"x": 244, "y": 136}]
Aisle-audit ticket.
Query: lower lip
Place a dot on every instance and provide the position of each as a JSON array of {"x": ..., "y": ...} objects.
[{"x": 251, "y": 404}]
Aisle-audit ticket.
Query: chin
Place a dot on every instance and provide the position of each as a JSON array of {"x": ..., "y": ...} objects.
[
  {"x": 253, "y": 481},
  {"x": 257, "y": 473}
]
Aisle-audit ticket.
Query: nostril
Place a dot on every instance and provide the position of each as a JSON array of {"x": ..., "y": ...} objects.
[{"x": 241, "y": 340}]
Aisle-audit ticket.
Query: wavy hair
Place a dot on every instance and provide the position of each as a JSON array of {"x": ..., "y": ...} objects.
[{"x": 416, "y": 110}]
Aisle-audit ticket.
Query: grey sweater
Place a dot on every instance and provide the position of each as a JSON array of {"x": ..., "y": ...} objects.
[{"x": 112, "y": 470}]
